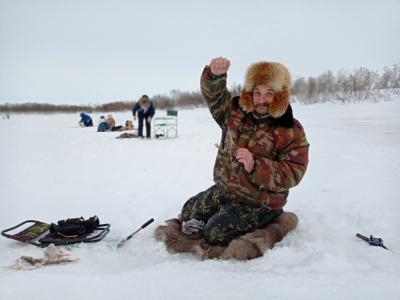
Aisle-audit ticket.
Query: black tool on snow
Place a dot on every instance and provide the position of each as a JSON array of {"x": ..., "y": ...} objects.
[{"x": 122, "y": 242}]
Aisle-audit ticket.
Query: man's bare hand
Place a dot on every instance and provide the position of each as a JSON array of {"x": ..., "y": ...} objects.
[
  {"x": 219, "y": 65},
  {"x": 246, "y": 158}
]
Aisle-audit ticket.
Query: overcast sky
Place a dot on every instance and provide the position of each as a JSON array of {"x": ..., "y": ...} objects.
[{"x": 82, "y": 51}]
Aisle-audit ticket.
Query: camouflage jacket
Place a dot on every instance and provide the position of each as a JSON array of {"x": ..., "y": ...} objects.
[{"x": 279, "y": 148}]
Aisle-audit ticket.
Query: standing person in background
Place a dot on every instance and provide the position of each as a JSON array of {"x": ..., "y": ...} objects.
[{"x": 145, "y": 110}]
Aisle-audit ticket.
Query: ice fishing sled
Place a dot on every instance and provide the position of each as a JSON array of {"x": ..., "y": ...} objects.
[{"x": 65, "y": 232}]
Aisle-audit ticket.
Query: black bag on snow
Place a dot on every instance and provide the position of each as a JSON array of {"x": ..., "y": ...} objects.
[{"x": 75, "y": 227}]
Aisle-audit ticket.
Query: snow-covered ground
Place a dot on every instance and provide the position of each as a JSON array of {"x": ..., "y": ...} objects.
[{"x": 52, "y": 169}]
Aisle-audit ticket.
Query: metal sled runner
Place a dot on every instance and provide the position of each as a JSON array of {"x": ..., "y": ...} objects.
[{"x": 38, "y": 234}]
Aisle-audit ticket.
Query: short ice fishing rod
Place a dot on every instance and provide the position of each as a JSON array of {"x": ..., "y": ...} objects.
[{"x": 375, "y": 241}]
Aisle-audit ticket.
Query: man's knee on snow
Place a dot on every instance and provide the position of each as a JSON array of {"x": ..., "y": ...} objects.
[
  {"x": 201, "y": 206},
  {"x": 224, "y": 226},
  {"x": 213, "y": 235},
  {"x": 219, "y": 234}
]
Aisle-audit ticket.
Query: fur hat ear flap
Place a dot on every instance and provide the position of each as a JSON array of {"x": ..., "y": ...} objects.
[
  {"x": 280, "y": 104},
  {"x": 246, "y": 101}
]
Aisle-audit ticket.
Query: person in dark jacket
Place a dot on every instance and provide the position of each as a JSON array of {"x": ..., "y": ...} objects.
[
  {"x": 145, "y": 111},
  {"x": 86, "y": 120},
  {"x": 103, "y": 126}
]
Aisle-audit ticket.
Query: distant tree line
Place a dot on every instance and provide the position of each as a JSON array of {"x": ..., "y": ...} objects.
[
  {"x": 361, "y": 84},
  {"x": 50, "y": 108}
]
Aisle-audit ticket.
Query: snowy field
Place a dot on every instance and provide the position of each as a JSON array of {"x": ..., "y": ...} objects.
[{"x": 52, "y": 169}]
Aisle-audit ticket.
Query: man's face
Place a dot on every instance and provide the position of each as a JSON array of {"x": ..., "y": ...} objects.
[{"x": 263, "y": 96}]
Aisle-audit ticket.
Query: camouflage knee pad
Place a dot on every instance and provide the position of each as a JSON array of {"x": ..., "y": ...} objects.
[
  {"x": 225, "y": 219},
  {"x": 204, "y": 205},
  {"x": 224, "y": 226},
  {"x": 234, "y": 220}
]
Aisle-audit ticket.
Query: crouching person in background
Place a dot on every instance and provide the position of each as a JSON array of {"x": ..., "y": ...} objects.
[
  {"x": 86, "y": 120},
  {"x": 111, "y": 123},
  {"x": 103, "y": 126},
  {"x": 107, "y": 124}
]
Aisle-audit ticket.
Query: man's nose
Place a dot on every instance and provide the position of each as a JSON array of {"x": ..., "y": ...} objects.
[{"x": 262, "y": 99}]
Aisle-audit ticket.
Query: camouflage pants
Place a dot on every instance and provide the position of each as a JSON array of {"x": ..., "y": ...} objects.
[{"x": 225, "y": 219}]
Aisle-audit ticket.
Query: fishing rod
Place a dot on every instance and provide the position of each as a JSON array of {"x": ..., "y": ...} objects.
[{"x": 375, "y": 241}]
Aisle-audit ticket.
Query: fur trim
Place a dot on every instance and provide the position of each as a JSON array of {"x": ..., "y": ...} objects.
[
  {"x": 271, "y": 74},
  {"x": 250, "y": 245}
]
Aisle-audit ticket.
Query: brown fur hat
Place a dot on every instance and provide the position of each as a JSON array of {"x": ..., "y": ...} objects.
[{"x": 272, "y": 74}]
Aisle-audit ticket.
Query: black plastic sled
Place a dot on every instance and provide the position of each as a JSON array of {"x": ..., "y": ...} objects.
[{"x": 39, "y": 234}]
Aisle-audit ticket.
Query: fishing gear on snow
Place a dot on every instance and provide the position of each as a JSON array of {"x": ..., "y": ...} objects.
[
  {"x": 122, "y": 242},
  {"x": 65, "y": 232},
  {"x": 375, "y": 241}
]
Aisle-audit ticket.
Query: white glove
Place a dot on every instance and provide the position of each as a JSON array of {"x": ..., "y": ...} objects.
[{"x": 192, "y": 226}]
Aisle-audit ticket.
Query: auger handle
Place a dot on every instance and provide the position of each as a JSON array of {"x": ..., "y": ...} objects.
[{"x": 147, "y": 223}]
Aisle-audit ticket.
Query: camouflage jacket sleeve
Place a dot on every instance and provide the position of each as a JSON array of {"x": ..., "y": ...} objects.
[
  {"x": 288, "y": 168},
  {"x": 217, "y": 96}
]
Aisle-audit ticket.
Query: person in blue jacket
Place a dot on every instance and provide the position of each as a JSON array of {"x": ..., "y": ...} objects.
[
  {"x": 86, "y": 120},
  {"x": 145, "y": 111}
]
